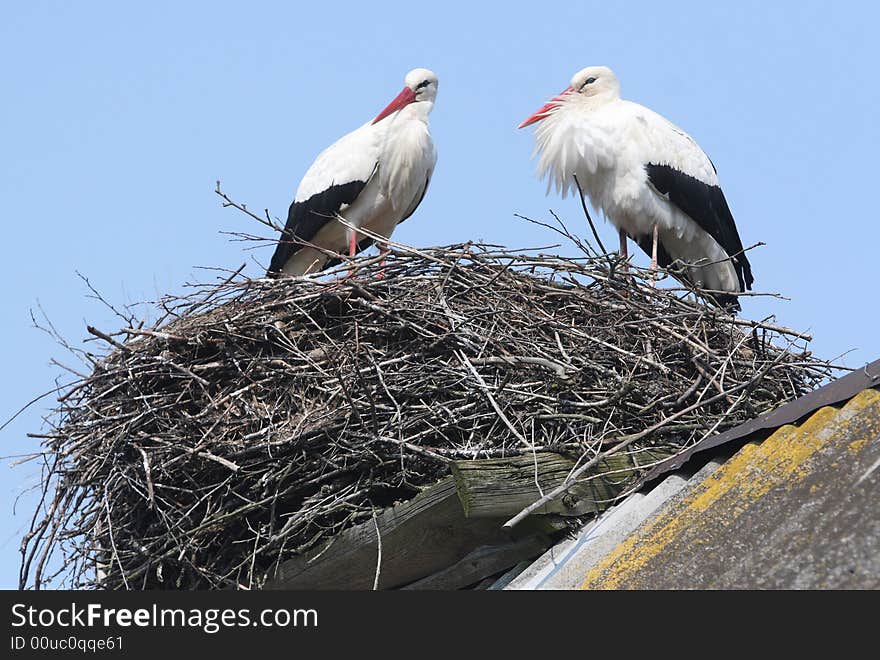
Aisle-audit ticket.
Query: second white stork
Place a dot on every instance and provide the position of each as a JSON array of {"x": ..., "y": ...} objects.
[
  {"x": 648, "y": 177},
  {"x": 373, "y": 178}
]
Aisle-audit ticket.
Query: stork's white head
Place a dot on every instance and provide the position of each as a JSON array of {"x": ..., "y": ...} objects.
[
  {"x": 420, "y": 87},
  {"x": 595, "y": 81},
  {"x": 593, "y": 85},
  {"x": 423, "y": 83}
]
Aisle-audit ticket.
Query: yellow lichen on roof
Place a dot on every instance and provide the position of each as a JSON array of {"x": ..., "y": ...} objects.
[{"x": 779, "y": 462}]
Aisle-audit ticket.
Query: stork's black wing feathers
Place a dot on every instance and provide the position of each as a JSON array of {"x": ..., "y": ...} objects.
[
  {"x": 705, "y": 205},
  {"x": 306, "y": 218}
]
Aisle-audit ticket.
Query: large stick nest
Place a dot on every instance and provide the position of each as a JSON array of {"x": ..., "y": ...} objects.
[{"x": 257, "y": 418}]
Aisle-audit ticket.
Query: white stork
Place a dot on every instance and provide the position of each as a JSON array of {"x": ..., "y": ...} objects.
[
  {"x": 649, "y": 178},
  {"x": 374, "y": 178}
]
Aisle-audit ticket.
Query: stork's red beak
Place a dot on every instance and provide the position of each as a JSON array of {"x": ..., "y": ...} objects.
[
  {"x": 547, "y": 107},
  {"x": 403, "y": 99}
]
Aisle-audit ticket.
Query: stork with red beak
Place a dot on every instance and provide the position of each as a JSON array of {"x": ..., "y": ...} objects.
[
  {"x": 649, "y": 178},
  {"x": 374, "y": 178}
]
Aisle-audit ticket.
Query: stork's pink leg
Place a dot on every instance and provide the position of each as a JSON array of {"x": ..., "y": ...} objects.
[
  {"x": 654, "y": 259},
  {"x": 623, "y": 253},
  {"x": 383, "y": 250},
  {"x": 352, "y": 246}
]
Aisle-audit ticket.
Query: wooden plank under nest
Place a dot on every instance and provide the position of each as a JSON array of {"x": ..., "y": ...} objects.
[
  {"x": 419, "y": 538},
  {"x": 502, "y": 487},
  {"x": 451, "y": 534},
  {"x": 481, "y": 563}
]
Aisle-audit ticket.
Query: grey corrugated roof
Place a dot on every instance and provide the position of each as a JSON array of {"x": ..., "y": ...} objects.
[{"x": 797, "y": 509}]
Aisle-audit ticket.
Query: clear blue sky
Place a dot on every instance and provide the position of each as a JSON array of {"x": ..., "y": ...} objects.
[{"x": 116, "y": 121}]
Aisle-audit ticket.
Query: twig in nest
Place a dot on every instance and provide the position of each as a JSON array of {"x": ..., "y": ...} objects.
[{"x": 587, "y": 213}]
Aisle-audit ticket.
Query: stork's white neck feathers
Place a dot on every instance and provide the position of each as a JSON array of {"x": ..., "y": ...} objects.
[
  {"x": 573, "y": 140},
  {"x": 418, "y": 111}
]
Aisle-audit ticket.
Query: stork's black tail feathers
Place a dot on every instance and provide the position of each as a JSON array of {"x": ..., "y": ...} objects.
[
  {"x": 284, "y": 250},
  {"x": 727, "y": 302}
]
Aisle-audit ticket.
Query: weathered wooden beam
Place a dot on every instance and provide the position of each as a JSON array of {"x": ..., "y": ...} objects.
[
  {"x": 438, "y": 528},
  {"x": 502, "y": 487},
  {"x": 419, "y": 537},
  {"x": 482, "y": 563}
]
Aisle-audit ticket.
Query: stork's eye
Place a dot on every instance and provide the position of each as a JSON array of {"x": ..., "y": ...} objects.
[
  {"x": 424, "y": 83},
  {"x": 588, "y": 81}
]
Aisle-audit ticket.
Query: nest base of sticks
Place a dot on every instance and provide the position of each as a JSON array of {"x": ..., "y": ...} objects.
[{"x": 384, "y": 424}]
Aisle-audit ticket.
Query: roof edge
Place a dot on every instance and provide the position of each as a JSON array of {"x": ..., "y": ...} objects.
[{"x": 842, "y": 389}]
